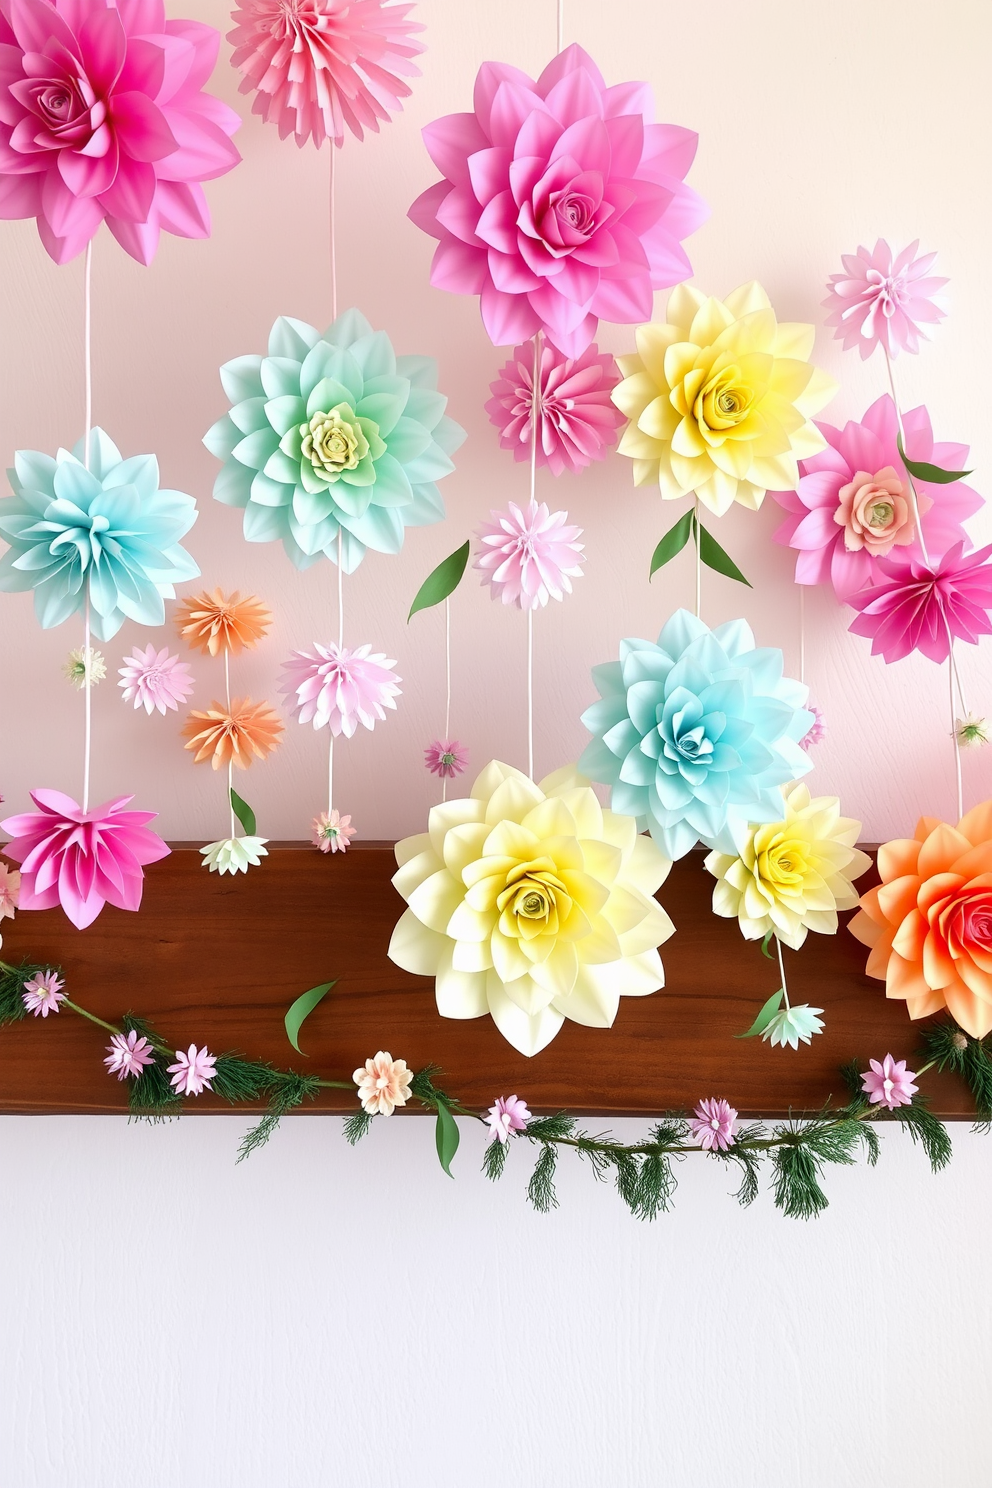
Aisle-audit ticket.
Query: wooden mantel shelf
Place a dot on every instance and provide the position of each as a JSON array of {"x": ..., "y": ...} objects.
[{"x": 218, "y": 960}]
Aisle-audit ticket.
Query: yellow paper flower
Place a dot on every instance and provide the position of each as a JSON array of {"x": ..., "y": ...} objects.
[
  {"x": 720, "y": 399},
  {"x": 793, "y": 875},
  {"x": 531, "y": 903}
]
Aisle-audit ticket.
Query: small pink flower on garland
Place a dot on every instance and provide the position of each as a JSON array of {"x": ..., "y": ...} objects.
[
  {"x": 332, "y": 832},
  {"x": 193, "y": 1070},
  {"x": 383, "y": 1084},
  {"x": 508, "y": 1116},
  {"x": 715, "y": 1125},
  {"x": 577, "y": 420},
  {"x": 890, "y": 1083},
  {"x": 528, "y": 555},
  {"x": 43, "y": 993},
  {"x": 128, "y": 1054},
  {"x": 446, "y": 760}
]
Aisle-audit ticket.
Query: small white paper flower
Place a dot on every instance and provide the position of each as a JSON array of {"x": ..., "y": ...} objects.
[
  {"x": 793, "y": 1024},
  {"x": 972, "y": 732},
  {"x": 234, "y": 854}
]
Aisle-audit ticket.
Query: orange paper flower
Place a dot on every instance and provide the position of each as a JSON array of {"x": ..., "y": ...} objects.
[
  {"x": 220, "y": 622},
  {"x": 929, "y": 923},
  {"x": 238, "y": 735}
]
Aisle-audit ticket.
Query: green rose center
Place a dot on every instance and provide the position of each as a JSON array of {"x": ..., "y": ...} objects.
[
  {"x": 334, "y": 442},
  {"x": 881, "y": 514}
]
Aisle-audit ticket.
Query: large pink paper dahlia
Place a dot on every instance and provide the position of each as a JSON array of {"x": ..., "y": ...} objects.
[
  {"x": 883, "y": 298},
  {"x": 561, "y": 202},
  {"x": 103, "y": 118},
  {"x": 339, "y": 687},
  {"x": 528, "y": 556},
  {"x": 317, "y": 67},
  {"x": 921, "y": 608},
  {"x": 577, "y": 420},
  {"x": 81, "y": 859}
]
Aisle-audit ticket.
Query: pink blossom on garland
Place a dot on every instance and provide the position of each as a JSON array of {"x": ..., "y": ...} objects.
[
  {"x": 714, "y": 1125},
  {"x": 577, "y": 420},
  {"x": 383, "y": 1084},
  {"x": 43, "y": 993},
  {"x": 193, "y": 1071},
  {"x": 81, "y": 859},
  {"x": 507, "y": 1116},
  {"x": 921, "y": 608},
  {"x": 529, "y": 555},
  {"x": 340, "y": 688},
  {"x": 332, "y": 832},
  {"x": 446, "y": 760},
  {"x": 818, "y": 732},
  {"x": 155, "y": 680},
  {"x": 883, "y": 300},
  {"x": 128, "y": 1054},
  {"x": 889, "y": 1083}
]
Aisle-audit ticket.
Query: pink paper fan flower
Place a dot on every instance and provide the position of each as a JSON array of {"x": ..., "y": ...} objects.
[
  {"x": 318, "y": 67},
  {"x": 818, "y": 732},
  {"x": 881, "y": 300},
  {"x": 81, "y": 859},
  {"x": 332, "y": 832},
  {"x": 507, "y": 1116},
  {"x": 561, "y": 202},
  {"x": 577, "y": 420},
  {"x": 154, "y": 679},
  {"x": 529, "y": 556},
  {"x": 102, "y": 118},
  {"x": 714, "y": 1125},
  {"x": 193, "y": 1071},
  {"x": 340, "y": 688},
  {"x": 889, "y": 1083},
  {"x": 859, "y": 481},
  {"x": 924, "y": 609},
  {"x": 446, "y": 760},
  {"x": 43, "y": 993},
  {"x": 127, "y": 1054}
]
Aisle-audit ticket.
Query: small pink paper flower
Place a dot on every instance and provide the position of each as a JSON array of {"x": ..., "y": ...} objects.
[
  {"x": 340, "y": 688},
  {"x": 889, "y": 1083},
  {"x": 714, "y": 1125},
  {"x": 155, "y": 680},
  {"x": 577, "y": 420},
  {"x": 10, "y": 890},
  {"x": 127, "y": 1054},
  {"x": 43, "y": 993},
  {"x": 446, "y": 760},
  {"x": 193, "y": 1070},
  {"x": 383, "y": 1084},
  {"x": 529, "y": 556},
  {"x": 507, "y": 1116},
  {"x": 332, "y": 832},
  {"x": 818, "y": 732},
  {"x": 879, "y": 299},
  {"x": 920, "y": 608}
]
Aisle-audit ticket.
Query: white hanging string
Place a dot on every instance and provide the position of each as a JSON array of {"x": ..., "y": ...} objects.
[
  {"x": 447, "y": 688},
  {"x": 781, "y": 968},
  {"x": 534, "y": 406},
  {"x": 334, "y": 256},
  {"x": 87, "y": 639},
  {"x": 802, "y": 632},
  {"x": 330, "y": 747},
  {"x": 561, "y": 24},
  {"x": 957, "y": 747},
  {"x": 699, "y": 566},
  {"x": 230, "y": 763}
]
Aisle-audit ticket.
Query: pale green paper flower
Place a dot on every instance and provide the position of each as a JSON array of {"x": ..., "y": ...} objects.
[
  {"x": 84, "y": 668},
  {"x": 234, "y": 854},
  {"x": 793, "y": 1024}
]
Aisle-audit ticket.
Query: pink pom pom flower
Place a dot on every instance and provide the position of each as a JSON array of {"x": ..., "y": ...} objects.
[
  {"x": 529, "y": 556},
  {"x": 889, "y": 1083},
  {"x": 919, "y": 608},
  {"x": 339, "y": 688},
  {"x": 43, "y": 993},
  {"x": 446, "y": 760},
  {"x": 103, "y": 119},
  {"x": 155, "y": 680},
  {"x": 561, "y": 202},
  {"x": 318, "y": 67},
  {"x": 128, "y": 1054},
  {"x": 577, "y": 420},
  {"x": 507, "y": 1116},
  {"x": 883, "y": 300},
  {"x": 714, "y": 1125},
  {"x": 81, "y": 859},
  {"x": 193, "y": 1071}
]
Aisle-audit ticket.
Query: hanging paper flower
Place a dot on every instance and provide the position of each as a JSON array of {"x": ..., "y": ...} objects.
[
  {"x": 884, "y": 300},
  {"x": 234, "y": 854},
  {"x": 154, "y": 680},
  {"x": 193, "y": 1071},
  {"x": 239, "y": 735},
  {"x": 43, "y": 993},
  {"x": 128, "y": 1054},
  {"x": 714, "y": 1125},
  {"x": 720, "y": 398},
  {"x": 853, "y": 503},
  {"x": 792, "y": 1026},
  {"x": 889, "y": 1084},
  {"x": 317, "y": 67},
  {"x": 10, "y": 889},
  {"x": 102, "y": 118},
  {"x": 446, "y": 760},
  {"x": 818, "y": 730},
  {"x": 508, "y": 1116},
  {"x": 972, "y": 732},
  {"x": 333, "y": 434},
  {"x": 81, "y": 859},
  {"x": 107, "y": 532},
  {"x": 696, "y": 735},
  {"x": 383, "y": 1084},
  {"x": 339, "y": 687},
  {"x": 916, "y": 607},
  {"x": 332, "y": 832},
  {"x": 531, "y": 903},
  {"x": 84, "y": 667},
  {"x": 561, "y": 203},
  {"x": 219, "y": 624},
  {"x": 793, "y": 875},
  {"x": 929, "y": 922},
  {"x": 528, "y": 557},
  {"x": 577, "y": 421}
]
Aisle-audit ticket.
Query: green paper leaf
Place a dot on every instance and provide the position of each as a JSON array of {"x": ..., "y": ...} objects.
[
  {"x": 673, "y": 542},
  {"x": 298, "y": 1012},
  {"x": 714, "y": 557},
  {"x": 766, "y": 1015},
  {"x": 243, "y": 812},
  {"x": 766, "y": 942},
  {"x": 447, "y": 1137},
  {"x": 933, "y": 473},
  {"x": 443, "y": 581}
]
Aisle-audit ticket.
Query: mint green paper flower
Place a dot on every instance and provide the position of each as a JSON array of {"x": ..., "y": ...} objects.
[
  {"x": 333, "y": 434},
  {"x": 793, "y": 1024}
]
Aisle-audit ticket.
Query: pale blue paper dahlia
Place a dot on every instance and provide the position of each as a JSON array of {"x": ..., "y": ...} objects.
[
  {"x": 333, "y": 434},
  {"x": 108, "y": 533},
  {"x": 696, "y": 735}
]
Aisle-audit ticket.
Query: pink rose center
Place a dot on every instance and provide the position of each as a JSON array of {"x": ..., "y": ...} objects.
[
  {"x": 576, "y": 211},
  {"x": 875, "y": 513},
  {"x": 978, "y": 925}
]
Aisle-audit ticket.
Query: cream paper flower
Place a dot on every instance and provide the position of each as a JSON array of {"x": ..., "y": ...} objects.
[
  {"x": 531, "y": 903},
  {"x": 793, "y": 875},
  {"x": 720, "y": 399}
]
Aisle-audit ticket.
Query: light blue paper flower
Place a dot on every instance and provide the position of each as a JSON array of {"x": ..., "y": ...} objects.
[
  {"x": 107, "y": 532},
  {"x": 696, "y": 734},
  {"x": 330, "y": 434}
]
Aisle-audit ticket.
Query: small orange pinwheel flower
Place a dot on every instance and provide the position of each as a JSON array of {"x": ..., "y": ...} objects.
[
  {"x": 237, "y": 735},
  {"x": 218, "y": 623}
]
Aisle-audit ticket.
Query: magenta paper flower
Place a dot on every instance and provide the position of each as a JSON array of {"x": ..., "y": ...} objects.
[
  {"x": 529, "y": 556},
  {"x": 818, "y": 732},
  {"x": 507, "y": 1116},
  {"x": 102, "y": 118},
  {"x": 193, "y": 1070},
  {"x": 916, "y": 608},
  {"x": 881, "y": 300},
  {"x": 317, "y": 67},
  {"x": 889, "y": 1083},
  {"x": 43, "y": 993},
  {"x": 714, "y": 1125},
  {"x": 154, "y": 679},
  {"x": 127, "y": 1054},
  {"x": 561, "y": 202},
  {"x": 81, "y": 859},
  {"x": 446, "y": 760},
  {"x": 331, "y": 832},
  {"x": 340, "y": 688},
  {"x": 577, "y": 420},
  {"x": 853, "y": 505}
]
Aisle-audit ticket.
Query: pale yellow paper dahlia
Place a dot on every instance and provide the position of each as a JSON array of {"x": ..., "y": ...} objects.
[
  {"x": 793, "y": 875},
  {"x": 720, "y": 398},
  {"x": 531, "y": 903}
]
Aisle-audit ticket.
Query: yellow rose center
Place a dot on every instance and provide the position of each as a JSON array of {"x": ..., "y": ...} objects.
[
  {"x": 334, "y": 442},
  {"x": 784, "y": 863},
  {"x": 534, "y": 901},
  {"x": 724, "y": 401}
]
